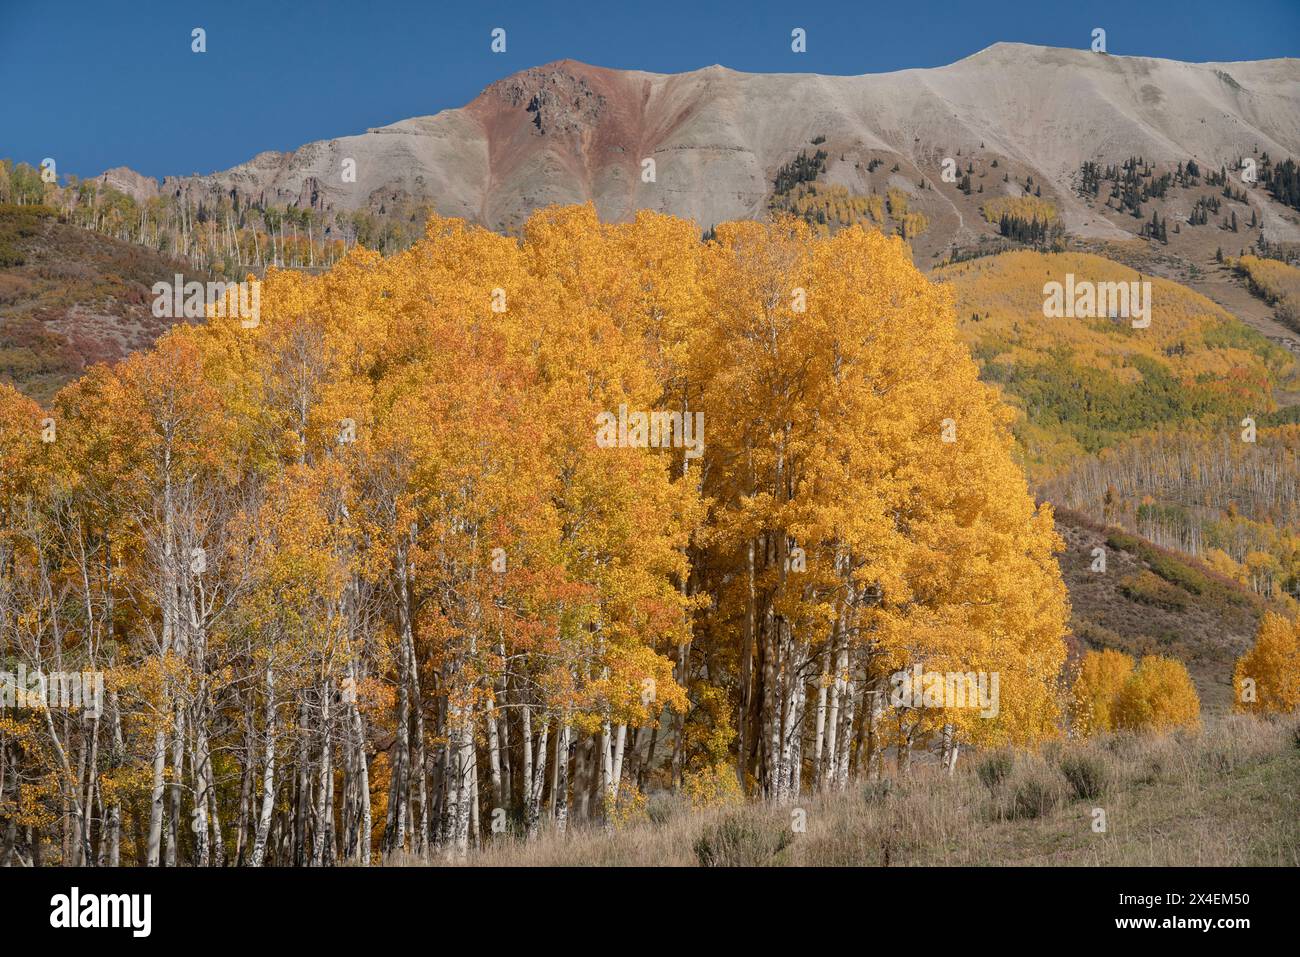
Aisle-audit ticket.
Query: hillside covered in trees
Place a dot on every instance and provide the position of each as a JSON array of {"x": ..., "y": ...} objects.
[
  {"x": 1088, "y": 383},
  {"x": 71, "y": 297}
]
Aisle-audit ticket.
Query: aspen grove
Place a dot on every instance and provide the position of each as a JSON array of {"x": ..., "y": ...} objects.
[{"x": 363, "y": 584}]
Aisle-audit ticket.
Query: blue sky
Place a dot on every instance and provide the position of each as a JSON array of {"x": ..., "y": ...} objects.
[{"x": 114, "y": 82}]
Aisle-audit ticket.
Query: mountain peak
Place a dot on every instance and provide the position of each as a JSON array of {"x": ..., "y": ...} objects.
[{"x": 560, "y": 96}]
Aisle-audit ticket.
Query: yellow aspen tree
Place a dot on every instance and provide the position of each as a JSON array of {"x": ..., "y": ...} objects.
[
  {"x": 1158, "y": 696},
  {"x": 1100, "y": 676},
  {"x": 863, "y": 479},
  {"x": 1266, "y": 678}
]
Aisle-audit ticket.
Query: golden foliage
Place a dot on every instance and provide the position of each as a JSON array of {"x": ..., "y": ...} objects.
[
  {"x": 385, "y": 507},
  {"x": 1158, "y": 696},
  {"x": 1027, "y": 208},
  {"x": 1085, "y": 384},
  {"x": 1267, "y": 677},
  {"x": 1100, "y": 677}
]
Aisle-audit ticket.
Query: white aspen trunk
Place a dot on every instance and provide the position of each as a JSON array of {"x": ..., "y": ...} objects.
[
  {"x": 453, "y": 783},
  {"x": 199, "y": 759},
  {"x": 156, "y": 798},
  {"x": 167, "y": 602},
  {"x": 526, "y": 747},
  {"x": 789, "y": 725},
  {"x": 218, "y": 844},
  {"x": 950, "y": 749},
  {"x": 534, "y": 803},
  {"x": 328, "y": 854},
  {"x": 115, "y": 809},
  {"x": 174, "y": 818},
  {"x": 505, "y": 797},
  {"x": 468, "y": 766},
  {"x": 363, "y": 772},
  {"x": 303, "y": 807},
  {"x": 833, "y": 719},
  {"x": 91, "y": 781},
  {"x": 494, "y": 757},
  {"x": 606, "y": 771},
  {"x": 555, "y": 780},
  {"x": 620, "y": 741},
  {"x": 75, "y": 799},
  {"x": 418, "y": 754},
  {"x": 363, "y": 849},
  {"x": 268, "y": 775},
  {"x": 462, "y": 765},
  {"x": 475, "y": 811},
  {"x": 323, "y": 804},
  {"x": 846, "y": 735},
  {"x": 395, "y": 825},
  {"x": 561, "y": 800},
  {"x": 796, "y": 745},
  {"x": 819, "y": 741},
  {"x": 743, "y": 719},
  {"x": 771, "y": 709}
]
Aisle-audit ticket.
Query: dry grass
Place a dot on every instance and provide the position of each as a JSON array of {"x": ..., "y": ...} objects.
[{"x": 1224, "y": 796}]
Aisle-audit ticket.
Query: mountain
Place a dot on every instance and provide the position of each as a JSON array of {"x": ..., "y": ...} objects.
[{"x": 569, "y": 132}]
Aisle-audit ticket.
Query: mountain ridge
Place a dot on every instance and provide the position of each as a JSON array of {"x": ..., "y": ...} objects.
[{"x": 568, "y": 131}]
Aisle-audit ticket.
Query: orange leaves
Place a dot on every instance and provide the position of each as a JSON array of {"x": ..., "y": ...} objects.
[
  {"x": 20, "y": 444},
  {"x": 469, "y": 370}
]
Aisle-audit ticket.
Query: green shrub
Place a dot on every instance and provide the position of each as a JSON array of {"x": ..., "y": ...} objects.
[
  {"x": 741, "y": 840},
  {"x": 877, "y": 791},
  {"x": 1087, "y": 774},
  {"x": 1036, "y": 791},
  {"x": 995, "y": 769},
  {"x": 1150, "y": 589},
  {"x": 660, "y": 808},
  {"x": 19, "y": 222}
]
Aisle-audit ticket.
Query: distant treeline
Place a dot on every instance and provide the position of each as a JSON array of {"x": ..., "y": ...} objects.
[{"x": 222, "y": 232}]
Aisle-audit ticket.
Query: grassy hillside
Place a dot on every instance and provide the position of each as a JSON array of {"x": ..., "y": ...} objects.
[
  {"x": 1085, "y": 384},
  {"x": 1276, "y": 283},
  {"x": 1153, "y": 600},
  {"x": 1235, "y": 504},
  {"x": 1226, "y": 795},
  {"x": 70, "y": 297}
]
